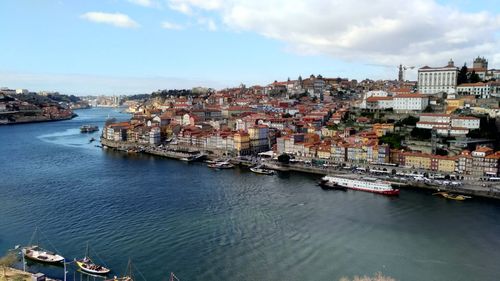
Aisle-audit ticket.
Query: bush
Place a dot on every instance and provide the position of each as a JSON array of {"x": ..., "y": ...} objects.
[{"x": 284, "y": 158}]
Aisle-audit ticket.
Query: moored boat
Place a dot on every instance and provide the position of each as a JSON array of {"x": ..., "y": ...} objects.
[
  {"x": 452, "y": 196},
  {"x": 34, "y": 252},
  {"x": 87, "y": 265},
  {"x": 221, "y": 165},
  {"x": 364, "y": 184},
  {"x": 262, "y": 171},
  {"x": 327, "y": 185}
]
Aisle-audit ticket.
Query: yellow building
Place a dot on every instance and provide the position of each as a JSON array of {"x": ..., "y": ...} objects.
[
  {"x": 453, "y": 104},
  {"x": 324, "y": 152},
  {"x": 417, "y": 160},
  {"x": 242, "y": 142},
  {"x": 382, "y": 129},
  {"x": 446, "y": 164}
]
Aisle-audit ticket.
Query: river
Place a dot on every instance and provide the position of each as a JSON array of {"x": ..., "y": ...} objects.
[{"x": 202, "y": 224}]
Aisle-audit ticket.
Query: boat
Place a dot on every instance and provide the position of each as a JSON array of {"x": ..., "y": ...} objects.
[
  {"x": 193, "y": 158},
  {"x": 327, "y": 185},
  {"x": 221, "y": 165},
  {"x": 91, "y": 140},
  {"x": 262, "y": 171},
  {"x": 36, "y": 253},
  {"x": 88, "y": 128},
  {"x": 364, "y": 184},
  {"x": 87, "y": 265},
  {"x": 128, "y": 275},
  {"x": 452, "y": 196}
]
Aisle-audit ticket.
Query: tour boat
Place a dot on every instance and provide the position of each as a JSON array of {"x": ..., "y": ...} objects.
[
  {"x": 88, "y": 128},
  {"x": 327, "y": 185},
  {"x": 87, "y": 265},
  {"x": 261, "y": 171},
  {"x": 36, "y": 253},
  {"x": 364, "y": 184}
]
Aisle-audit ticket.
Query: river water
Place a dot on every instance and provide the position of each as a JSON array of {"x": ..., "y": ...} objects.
[{"x": 202, "y": 224}]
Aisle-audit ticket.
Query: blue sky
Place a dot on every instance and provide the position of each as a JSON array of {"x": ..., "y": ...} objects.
[{"x": 83, "y": 47}]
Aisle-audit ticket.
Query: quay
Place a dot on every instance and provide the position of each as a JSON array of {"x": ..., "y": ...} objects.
[{"x": 471, "y": 187}]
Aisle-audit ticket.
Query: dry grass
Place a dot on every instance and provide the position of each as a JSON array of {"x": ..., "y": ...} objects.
[
  {"x": 14, "y": 275},
  {"x": 377, "y": 277}
]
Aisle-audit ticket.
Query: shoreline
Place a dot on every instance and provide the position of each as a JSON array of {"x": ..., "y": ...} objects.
[
  {"x": 467, "y": 188},
  {"x": 74, "y": 115}
]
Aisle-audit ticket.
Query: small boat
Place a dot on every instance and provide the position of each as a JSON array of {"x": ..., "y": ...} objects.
[
  {"x": 88, "y": 128},
  {"x": 127, "y": 277},
  {"x": 91, "y": 140},
  {"x": 221, "y": 165},
  {"x": 261, "y": 171},
  {"x": 452, "y": 196},
  {"x": 36, "y": 253},
  {"x": 193, "y": 158},
  {"x": 87, "y": 265},
  {"x": 327, "y": 185}
]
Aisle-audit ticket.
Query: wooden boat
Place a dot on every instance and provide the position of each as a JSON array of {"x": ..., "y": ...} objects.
[
  {"x": 36, "y": 253},
  {"x": 327, "y": 185},
  {"x": 128, "y": 275},
  {"x": 87, "y": 265},
  {"x": 261, "y": 171},
  {"x": 452, "y": 196}
]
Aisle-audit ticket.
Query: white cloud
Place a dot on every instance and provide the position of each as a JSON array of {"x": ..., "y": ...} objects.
[
  {"x": 171, "y": 26},
  {"x": 208, "y": 23},
  {"x": 416, "y": 32},
  {"x": 115, "y": 19}
]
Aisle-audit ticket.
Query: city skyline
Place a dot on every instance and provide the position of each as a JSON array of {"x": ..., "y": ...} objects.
[{"x": 138, "y": 46}]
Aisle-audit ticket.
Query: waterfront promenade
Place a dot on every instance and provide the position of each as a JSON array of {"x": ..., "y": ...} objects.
[{"x": 469, "y": 186}]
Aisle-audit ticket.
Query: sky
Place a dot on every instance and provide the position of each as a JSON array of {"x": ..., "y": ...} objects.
[{"x": 138, "y": 46}]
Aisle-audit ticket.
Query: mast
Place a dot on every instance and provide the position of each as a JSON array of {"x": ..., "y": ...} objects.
[{"x": 87, "y": 250}]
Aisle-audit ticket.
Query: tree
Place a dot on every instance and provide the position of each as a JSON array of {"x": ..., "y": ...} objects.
[
  {"x": 408, "y": 121},
  {"x": 428, "y": 109},
  {"x": 421, "y": 134},
  {"x": 284, "y": 158},
  {"x": 462, "y": 75},
  {"x": 391, "y": 139},
  {"x": 474, "y": 78}
]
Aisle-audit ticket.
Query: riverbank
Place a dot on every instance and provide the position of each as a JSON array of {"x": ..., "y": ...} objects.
[
  {"x": 14, "y": 274},
  {"x": 38, "y": 120},
  {"x": 468, "y": 187}
]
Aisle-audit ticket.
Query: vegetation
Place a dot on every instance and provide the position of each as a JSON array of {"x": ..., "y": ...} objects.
[
  {"x": 7, "y": 261},
  {"x": 474, "y": 78},
  {"x": 428, "y": 109},
  {"x": 284, "y": 158},
  {"x": 391, "y": 139},
  {"x": 462, "y": 75},
  {"x": 421, "y": 134},
  {"x": 408, "y": 121}
]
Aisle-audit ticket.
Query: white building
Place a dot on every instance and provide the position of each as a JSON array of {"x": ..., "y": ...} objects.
[
  {"x": 432, "y": 80},
  {"x": 22, "y": 91},
  {"x": 480, "y": 89},
  {"x": 465, "y": 122},
  {"x": 410, "y": 102},
  {"x": 446, "y": 124}
]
